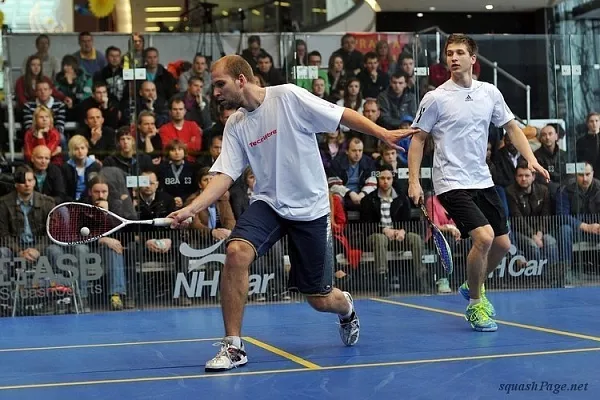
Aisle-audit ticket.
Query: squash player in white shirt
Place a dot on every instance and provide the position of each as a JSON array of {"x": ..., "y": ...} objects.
[
  {"x": 274, "y": 131},
  {"x": 458, "y": 115}
]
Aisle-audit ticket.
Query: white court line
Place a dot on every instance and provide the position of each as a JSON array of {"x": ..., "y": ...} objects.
[{"x": 88, "y": 346}]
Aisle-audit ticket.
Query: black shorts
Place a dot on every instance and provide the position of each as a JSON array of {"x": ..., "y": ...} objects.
[
  {"x": 474, "y": 208},
  {"x": 310, "y": 245}
]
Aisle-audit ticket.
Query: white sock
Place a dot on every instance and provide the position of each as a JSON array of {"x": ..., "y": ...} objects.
[
  {"x": 474, "y": 301},
  {"x": 235, "y": 341},
  {"x": 347, "y": 316}
]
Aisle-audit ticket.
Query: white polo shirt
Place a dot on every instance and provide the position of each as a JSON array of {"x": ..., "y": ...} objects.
[
  {"x": 459, "y": 120},
  {"x": 278, "y": 141}
]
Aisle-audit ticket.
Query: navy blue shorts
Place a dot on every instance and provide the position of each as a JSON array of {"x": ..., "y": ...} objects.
[{"x": 309, "y": 243}]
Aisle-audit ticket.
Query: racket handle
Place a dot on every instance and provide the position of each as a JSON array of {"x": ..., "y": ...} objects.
[{"x": 167, "y": 221}]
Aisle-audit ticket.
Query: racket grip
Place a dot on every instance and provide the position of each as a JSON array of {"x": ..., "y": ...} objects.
[{"x": 167, "y": 221}]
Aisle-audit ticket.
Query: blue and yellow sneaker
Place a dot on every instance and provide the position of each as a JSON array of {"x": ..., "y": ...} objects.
[
  {"x": 479, "y": 319},
  {"x": 489, "y": 308}
]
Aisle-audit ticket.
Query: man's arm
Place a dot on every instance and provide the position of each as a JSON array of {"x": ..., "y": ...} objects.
[
  {"x": 217, "y": 187},
  {"x": 415, "y": 156},
  {"x": 360, "y": 123}
]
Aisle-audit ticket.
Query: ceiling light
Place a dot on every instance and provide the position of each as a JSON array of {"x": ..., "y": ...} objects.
[
  {"x": 489, "y": 7},
  {"x": 419, "y": 15},
  {"x": 431, "y": 8}
]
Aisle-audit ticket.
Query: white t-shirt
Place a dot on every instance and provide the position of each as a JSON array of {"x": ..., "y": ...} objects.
[
  {"x": 459, "y": 120},
  {"x": 278, "y": 141}
]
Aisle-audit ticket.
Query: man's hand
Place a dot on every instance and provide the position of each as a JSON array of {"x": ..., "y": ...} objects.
[
  {"x": 356, "y": 198},
  {"x": 180, "y": 217},
  {"x": 112, "y": 244},
  {"x": 400, "y": 234},
  {"x": 538, "y": 239},
  {"x": 389, "y": 233},
  {"x": 535, "y": 167},
  {"x": 30, "y": 254},
  {"x": 392, "y": 137},
  {"x": 415, "y": 193},
  {"x": 220, "y": 233}
]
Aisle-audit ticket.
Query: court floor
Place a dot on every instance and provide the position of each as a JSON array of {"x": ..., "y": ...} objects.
[{"x": 547, "y": 346}]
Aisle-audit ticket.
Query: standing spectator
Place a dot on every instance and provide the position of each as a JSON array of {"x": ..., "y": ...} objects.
[
  {"x": 50, "y": 64},
  {"x": 199, "y": 70},
  {"x": 166, "y": 85},
  {"x": 396, "y": 102},
  {"x": 89, "y": 59}
]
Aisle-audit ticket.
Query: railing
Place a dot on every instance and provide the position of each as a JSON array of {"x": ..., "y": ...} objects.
[
  {"x": 440, "y": 36},
  {"x": 186, "y": 273}
]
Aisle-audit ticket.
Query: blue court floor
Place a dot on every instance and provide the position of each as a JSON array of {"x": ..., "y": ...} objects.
[{"x": 547, "y": 347}]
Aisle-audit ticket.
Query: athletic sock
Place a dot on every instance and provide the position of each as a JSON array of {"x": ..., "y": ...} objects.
[
  {"x": 474, "y": 301},
  {"x": 235, "y": 341},
  {"x": 346, "y": 317}
]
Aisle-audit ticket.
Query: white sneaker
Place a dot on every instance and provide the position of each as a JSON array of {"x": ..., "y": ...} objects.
[
  {"x": 227, "y": 358},
  {"x": 350, "y": 330}
]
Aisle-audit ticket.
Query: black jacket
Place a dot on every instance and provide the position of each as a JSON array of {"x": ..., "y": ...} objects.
[
  {"x": 523, "y": 205},
  {"x": 370, "y": 210},
  {"x": 54, "y": 184}
]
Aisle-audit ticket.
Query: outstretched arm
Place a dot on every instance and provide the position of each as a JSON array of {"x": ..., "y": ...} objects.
[
  {"x": 360, "y": 123},
  {"x": 217, "y": 187},
  {"x": 518, "y": 138}
]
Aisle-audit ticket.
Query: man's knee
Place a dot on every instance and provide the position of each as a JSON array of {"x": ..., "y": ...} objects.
[
  {"x": 414, "y": 240},
  {"x": 483, "y": 237},
  {"x": 502, "y": 243},
  {"x": 240, "y": 253},
  {"x": 319, "y": 303},
  {"x": 379, "y": 239}
]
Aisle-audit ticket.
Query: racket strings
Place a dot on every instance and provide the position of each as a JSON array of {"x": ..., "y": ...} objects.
[{"x": 65, "y": 223}]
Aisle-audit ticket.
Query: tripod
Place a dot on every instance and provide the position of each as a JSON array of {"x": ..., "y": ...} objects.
[{"x": 208, "y": 26}]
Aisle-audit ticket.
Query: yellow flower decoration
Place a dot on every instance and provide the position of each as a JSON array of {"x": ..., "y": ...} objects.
[
  {"x": 1, "y": 18},
  {"x": 102, "y": 8}
]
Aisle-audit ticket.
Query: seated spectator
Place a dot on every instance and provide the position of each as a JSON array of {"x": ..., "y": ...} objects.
[
  {"x": 23, "y": 214},
  {"x": 530, "y": 208},
  {"x": 187, "y": 131},
  {"x": 314, "y": 60},
  {"x": 43, "y": 92},
  {"x": 354, "y": 171},
  {"x": 25, "y": 86},
  {"x": 108, "y": 105},
  {"x": 506, "y": 163},
  {"x": 371, "y": 143},
  {"x": 578, "y": 201},
  {"x": 214, "y": 151},
  {"x": 352, "y": 98},
  {"x": 389, "y": 156},
  {"x": 382, "y": 213},
  {"x": 88, "y": 58},
  {"x": 336, "y": 75},
  {"x": 43, "y": 132},
  {"x": 111, "y": 248},
  {"x": 177, "y": 177},
  {"x": 75, "y": 84},
  {"x": 112, "y": 77},
  {"x": 197, "y": 106},
  {"x": 318, "y": 88},
  {"x": 148, "y": 100},
  {"x": 48, "y": 177},
  {"x": 148, "y": 140},
  {"x": 396, "y": 102},
  {"x": 139, "y": 44},
  {"x": 253, "y": 51},
  {"x": 373, "y": 81},
  {"x": 387, "y": 62},
  {"x": 101, "y": 138},
  {"x": 406, "y": 63},
  {"x": 270, "y": 74},
  {"x": 50, "y": 64},
  {"x": 552, "y": 158},
  {"x": 78, "y": 168},
  {"x": 199, "y": 70},
  {"x": 218, "y": 127},
  {"x": 297, "y": 57},
  {"x": 353, "y": 59},
  {"x": 126, "y": 158},
  {"x": 216, "y": 221},
  {"x": 166, "y": 85},
  {"x": 335, "y": 144},
  {"x": 586, "y": 147}
]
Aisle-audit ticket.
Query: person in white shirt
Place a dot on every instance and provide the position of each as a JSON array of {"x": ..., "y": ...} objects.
[
  {"x": 458, "y": 115},
  {"x": 274, "y": 131}
]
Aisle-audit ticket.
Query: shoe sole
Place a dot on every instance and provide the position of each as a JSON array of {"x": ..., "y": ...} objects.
[
  {"x": 240, "y": 363},
  {"x": 491, "y": 329}
]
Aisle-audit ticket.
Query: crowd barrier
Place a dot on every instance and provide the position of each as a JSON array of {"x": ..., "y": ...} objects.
[{"x": 184, "y": 270}]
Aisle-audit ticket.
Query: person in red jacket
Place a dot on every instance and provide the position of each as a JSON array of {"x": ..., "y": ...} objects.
[
  {"x": 42, "y": 132},
  {"x": 186, "y": 131},
  {"x": 25, "y": 85}
]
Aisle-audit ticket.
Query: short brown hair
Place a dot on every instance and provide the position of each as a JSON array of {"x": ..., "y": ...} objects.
[
  {"x": 235, "y": 66},
  {"x": 459, "y": 38}
]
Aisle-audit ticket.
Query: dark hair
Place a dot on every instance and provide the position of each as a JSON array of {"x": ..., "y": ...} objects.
[
  {"x": 459, "y": 38},
  {"x": 111, "y": 48},
  {"x": 21, "y": 172},
  {"x": 371, "y": 55}
]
